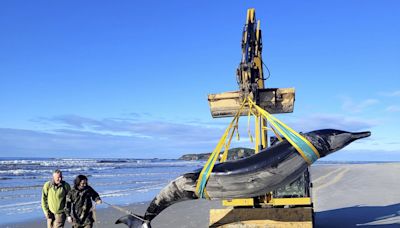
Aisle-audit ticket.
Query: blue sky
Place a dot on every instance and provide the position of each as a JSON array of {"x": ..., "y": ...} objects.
[{"x": 131, "y": 78}]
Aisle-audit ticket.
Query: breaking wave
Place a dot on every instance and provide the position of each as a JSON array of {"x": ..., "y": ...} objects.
[{"x": 120, "y": 181}]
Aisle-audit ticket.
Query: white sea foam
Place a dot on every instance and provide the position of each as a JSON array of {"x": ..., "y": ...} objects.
[
  {"x": 125, "y": 182},
  {"x": 115, "y": 195},
  {"x": 120, "y": 180},
  {"x": 19, "y": 204},
  {"x": 20, "y": 172},
  {"x": 134, "y": 174},
  {"x": 137, "y": 189},
  {"x": 15, "y": 196},
  {"x": 19, "y": 162}
]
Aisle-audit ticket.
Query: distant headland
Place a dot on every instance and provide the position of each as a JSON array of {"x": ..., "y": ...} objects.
[{"x": 233, "y": 154}]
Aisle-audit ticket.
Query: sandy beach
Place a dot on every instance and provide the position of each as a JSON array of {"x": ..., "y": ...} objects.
[{"x": 344, "y": 195}]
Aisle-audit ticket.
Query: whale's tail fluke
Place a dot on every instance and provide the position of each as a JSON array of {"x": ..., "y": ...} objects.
[{"x": 131, "y": 221}]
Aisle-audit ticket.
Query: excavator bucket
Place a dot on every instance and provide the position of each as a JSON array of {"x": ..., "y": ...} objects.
[{"x": 273, "y": 100}]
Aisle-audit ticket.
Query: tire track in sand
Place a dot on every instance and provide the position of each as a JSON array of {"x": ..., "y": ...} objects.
[{"x": 338, "y": 175}]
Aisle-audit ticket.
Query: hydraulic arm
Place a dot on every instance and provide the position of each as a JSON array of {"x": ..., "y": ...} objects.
[{"x": 250, "y": 76}]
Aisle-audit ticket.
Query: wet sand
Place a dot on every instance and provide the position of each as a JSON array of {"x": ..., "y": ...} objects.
[{"x": 345, "y": 195}]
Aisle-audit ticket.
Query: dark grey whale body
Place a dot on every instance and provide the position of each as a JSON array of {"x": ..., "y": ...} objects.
[{"x": 249, "y": 177}]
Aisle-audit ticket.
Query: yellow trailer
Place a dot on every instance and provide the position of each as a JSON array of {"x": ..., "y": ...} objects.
[{"x": 261, "y": 217}]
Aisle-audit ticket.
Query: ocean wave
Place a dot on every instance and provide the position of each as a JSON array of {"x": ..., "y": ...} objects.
[
  {"x": 21, "y": 209},
  {"x": 137, "y": 189},
  {"x": 134, "y": 174},
  {"x": 19, "y": 188},
  {"x": 115, "y": 195},
  {"x": 5, "y": 178},
  {"x": 18, "y": 172},
  {"x": 22, "y": 172},
  {"x": 96, "y": 162},
  {"x": 126, "y": 182},
  {"x": 151, "y": 188},
  {"x": 19, "y": 162},
  {"x": 18, "y": 196},
  {"x": 19, "y": 204},
  {"x": 112, "y": 161},
  {"x": 120, "y": 180}
]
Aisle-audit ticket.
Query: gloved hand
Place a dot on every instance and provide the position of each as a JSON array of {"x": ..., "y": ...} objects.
[{"x": 69, "y": 219}]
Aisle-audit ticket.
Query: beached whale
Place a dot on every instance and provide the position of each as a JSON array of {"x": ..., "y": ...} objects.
[{"x": 253, "y": 176}]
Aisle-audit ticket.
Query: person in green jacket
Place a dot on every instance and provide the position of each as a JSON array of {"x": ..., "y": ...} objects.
[{"x": 54, "y": 193}]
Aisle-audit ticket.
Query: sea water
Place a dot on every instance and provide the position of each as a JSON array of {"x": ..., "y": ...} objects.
[{"x": 118, "y": 181}]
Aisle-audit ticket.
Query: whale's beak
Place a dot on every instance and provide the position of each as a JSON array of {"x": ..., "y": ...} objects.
[{"x": 360, "y": 135}]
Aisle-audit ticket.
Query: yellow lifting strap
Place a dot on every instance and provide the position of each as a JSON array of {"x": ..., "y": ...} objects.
[
  {"x": 208, "y": 167},
  {"x": 228, "y": 144},
  {"x": 300, "y": 143}
]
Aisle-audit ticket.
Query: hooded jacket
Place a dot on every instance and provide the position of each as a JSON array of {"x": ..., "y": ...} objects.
[{"x": 79, "y": 204}]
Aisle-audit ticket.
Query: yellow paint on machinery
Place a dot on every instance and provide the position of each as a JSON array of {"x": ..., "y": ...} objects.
[
  {"x": 268, "y": 201},
  {"x": 259, "y": 211},
  {"x": 236, "y": 202},
  {"x": 261, "y": 217},
  {"x": 290, "y": 201}
]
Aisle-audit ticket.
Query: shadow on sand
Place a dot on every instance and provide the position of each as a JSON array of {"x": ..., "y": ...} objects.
[{"x": 360, "y": 216}]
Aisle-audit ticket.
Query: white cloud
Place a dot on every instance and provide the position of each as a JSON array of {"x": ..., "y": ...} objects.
[
  {"x": 391, "y": 94},
  {"x": 357, "y": 107},
  {"x": 73, "y": 135},
  {"x": 323, "y": 121},
  {"x": 393, "y": 108},
  {"x": 80, "y": 143},
  {"x": 138, "y": 137}
]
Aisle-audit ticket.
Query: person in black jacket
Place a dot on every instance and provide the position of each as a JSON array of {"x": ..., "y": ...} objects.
[{"x": 78, "y": 207}]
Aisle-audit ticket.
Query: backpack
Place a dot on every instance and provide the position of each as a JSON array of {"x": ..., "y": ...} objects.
[{"x": 62, "y": 185}]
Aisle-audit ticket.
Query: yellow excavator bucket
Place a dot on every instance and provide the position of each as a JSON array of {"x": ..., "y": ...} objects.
[{"x": 273, "y": 100}]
